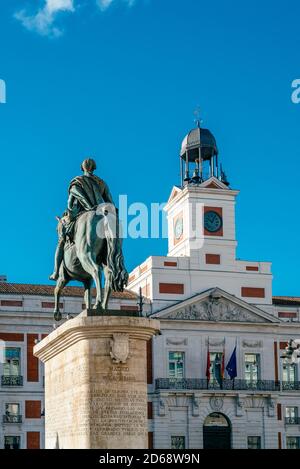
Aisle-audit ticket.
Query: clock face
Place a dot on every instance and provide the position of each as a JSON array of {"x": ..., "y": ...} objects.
[
  {"x": 178, "y": 230},
  {"x": 212, "y": 221}
]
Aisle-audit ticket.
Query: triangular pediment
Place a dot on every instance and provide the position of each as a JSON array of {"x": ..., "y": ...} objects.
[
  {"x": 175, "y": 191},
  {"x": 215, "y": 305},
  {"x": 214, "y": 183}
]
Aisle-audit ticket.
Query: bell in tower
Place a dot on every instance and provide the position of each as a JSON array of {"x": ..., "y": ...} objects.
[{"x": 199, "y": 149}]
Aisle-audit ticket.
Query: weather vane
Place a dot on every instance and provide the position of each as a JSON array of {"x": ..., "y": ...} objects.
[{"x": 197, "y": 119}]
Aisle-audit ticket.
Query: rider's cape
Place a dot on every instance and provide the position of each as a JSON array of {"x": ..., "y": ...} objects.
[{"x": 88, "y": 192}]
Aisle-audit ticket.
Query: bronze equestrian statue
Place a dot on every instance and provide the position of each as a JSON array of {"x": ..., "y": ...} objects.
[{"x": 89, "y": 241}]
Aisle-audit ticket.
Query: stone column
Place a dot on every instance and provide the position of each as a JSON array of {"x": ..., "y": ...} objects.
[{"x": 96, "y": 383}]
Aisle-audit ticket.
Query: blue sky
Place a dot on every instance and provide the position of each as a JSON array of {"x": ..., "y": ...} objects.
[{"x": 121, "y": 82}]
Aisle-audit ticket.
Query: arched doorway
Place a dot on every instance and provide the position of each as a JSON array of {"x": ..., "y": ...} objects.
[{"x": 216, "y": 432}]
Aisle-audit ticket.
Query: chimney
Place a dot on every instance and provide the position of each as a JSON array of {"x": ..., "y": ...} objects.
[{"x": 3, "y": 278}]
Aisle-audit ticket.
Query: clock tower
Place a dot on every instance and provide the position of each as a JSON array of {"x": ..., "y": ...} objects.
[
  {"x": 201, "y": 236},
  {"x": 201, "y": 211}
]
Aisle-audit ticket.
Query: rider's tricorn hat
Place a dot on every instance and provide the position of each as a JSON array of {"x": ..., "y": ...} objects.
[{"x": 88, "y": 165}]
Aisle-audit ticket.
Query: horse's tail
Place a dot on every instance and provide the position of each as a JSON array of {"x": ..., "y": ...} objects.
[
  {"x": 115, "y": 263},
  {"x": 115, "y": 259}
]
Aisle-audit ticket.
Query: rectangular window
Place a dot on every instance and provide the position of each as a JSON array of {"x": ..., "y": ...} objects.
[
  {"x": 12, "y": 409},
  {"x": 292, "y": 442},
  {"x": 252, "y": 367},
  {"x": 12, "y": 442},
  {"x": 291, "y": 412},
  {"x": 291, "y": 415},
  {"x": 289, "y": 372},
  {"x": 254, "y": 442},
  {"x": 216, "y": 368},
  {"x": 11, "y": 366},
  {"x": 12, "y": 413},
  {"x": 176, "y": 364},
  {"x": 177, "y": 442}
]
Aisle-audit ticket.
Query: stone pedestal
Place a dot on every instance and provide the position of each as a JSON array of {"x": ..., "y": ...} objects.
[{"x": 96, "y": 383}]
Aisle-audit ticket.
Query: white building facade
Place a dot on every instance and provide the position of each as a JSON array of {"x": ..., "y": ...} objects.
[{"x": 210, "y": 304}]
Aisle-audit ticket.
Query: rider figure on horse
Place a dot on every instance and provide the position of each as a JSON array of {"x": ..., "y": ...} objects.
[{"x": 85, "y": 193}]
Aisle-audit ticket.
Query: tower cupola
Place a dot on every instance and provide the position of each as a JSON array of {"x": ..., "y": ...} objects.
[{"x": 199, "y": 152}]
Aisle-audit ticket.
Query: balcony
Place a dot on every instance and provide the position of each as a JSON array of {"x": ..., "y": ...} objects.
[
  {"x": 11, "y": 380},
  {"x": 12, "y": 418},
  {"x": 226, "y": 385},
  {"x": 292, "y": 420},
  {"x": 290, "y": 385}
]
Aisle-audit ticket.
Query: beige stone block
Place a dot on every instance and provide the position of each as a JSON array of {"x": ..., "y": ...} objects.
[{"x": 96, "y": 383}]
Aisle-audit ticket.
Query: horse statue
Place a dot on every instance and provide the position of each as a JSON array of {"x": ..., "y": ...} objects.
[{"x": 96, "y": 248}]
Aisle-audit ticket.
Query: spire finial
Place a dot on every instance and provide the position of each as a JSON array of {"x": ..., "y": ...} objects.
[{"x": 197, "y": 119}]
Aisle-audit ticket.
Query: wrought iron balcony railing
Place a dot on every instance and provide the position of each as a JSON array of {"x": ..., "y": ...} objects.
[
  {"x": 12, "y": 380},
  {"x": 12, "y": 418},
  {"x": 290, "y": 385},
  {"x": 292, "y": 420},
  {"x": 225, "y": 385}
]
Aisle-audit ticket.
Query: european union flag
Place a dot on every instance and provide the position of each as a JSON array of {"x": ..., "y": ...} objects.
[{"x": 231, "y": 365}]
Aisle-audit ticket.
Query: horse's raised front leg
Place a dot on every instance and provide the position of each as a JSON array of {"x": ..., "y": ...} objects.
[
  {"x": 60, "y": 284},
  {"x": 88, "y": 294}
]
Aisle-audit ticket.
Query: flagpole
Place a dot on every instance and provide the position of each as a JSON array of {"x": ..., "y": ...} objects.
[
  {"x": 207, "y": 364},
  {"x": 223, "y": 364},
  {"x": 235, "y": 355}
]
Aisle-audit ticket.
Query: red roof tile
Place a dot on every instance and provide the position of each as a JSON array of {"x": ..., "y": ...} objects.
[{"x": 48, "y": 290}]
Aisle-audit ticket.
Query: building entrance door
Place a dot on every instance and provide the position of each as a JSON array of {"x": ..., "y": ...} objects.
[{"x": 216, "y": 432}]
